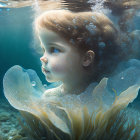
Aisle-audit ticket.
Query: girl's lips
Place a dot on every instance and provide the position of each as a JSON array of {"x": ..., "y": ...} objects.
[{"x": 44, "y": 70}]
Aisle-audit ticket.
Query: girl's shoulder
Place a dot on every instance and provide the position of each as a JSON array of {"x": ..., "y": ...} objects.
[{"x": 53, "y": 92}]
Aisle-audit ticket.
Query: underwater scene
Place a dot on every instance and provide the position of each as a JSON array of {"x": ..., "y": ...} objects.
[{"x": 69, "y": 69}]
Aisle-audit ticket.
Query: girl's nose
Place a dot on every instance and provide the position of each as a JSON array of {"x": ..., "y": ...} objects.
[{"x": 43, "y": 59}]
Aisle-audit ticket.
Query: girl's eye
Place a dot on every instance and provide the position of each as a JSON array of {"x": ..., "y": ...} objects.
[{"x": 54, "y": 50}]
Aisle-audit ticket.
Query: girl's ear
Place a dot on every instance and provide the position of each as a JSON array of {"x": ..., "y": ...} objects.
[{"x": 88, "y": 58}]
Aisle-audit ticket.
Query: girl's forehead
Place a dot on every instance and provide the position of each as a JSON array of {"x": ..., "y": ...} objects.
[
  {"x": 49, "y": 37},
  {"x": 47, "y": 34}
]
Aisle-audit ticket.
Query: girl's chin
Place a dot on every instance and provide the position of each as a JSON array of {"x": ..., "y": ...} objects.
[{"x": 50, "y": 80}]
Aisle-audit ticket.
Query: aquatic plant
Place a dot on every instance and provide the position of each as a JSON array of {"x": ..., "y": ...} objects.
[
  {"x": 62, "y": 123},
  {"x": 113, "y": 124},
  {"x": 53, "y": 119}
]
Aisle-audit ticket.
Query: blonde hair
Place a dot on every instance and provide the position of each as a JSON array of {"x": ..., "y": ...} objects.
[{"x": 86, "y": 30}]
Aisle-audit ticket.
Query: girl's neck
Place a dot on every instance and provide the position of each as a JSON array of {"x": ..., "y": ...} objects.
[{"x": 75, "y": 88}]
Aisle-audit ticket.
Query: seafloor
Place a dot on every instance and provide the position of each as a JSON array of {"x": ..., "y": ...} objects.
[
  {"x": 10, "y": 120},
  {"x": 10, "y": 128}
]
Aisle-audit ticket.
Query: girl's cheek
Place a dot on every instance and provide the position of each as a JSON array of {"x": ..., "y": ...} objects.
[{"x": 60, "y": 67}]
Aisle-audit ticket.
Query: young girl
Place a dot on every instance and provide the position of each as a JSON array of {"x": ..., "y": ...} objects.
[{"x": 79, "y": 49}]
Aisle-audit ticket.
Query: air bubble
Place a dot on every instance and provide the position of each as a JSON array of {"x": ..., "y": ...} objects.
[
  {"x": 93, "y": 17},
  {"x": 45, "y": 86},
  {"x": 122, "y": 78},
  {"x": 91, "y": 28},
  {"x": 33, "y": 83},
  {"x": 101, "y": 44},
  {"x": 74, "y": 21},
  {"x": 10, "y": 138},
  {"x": 92, "y": 25}
]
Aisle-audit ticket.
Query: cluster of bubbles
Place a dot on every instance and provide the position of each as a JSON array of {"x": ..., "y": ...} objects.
[
  {"x": 34, "y": 84},
  {"x": 101, "y": 44},
  {"x": 98, "y": 5},
  {"x": 74, "y": 20},
  {"x": 91, "y": 28},
  {"x": 94, "y": 19}
]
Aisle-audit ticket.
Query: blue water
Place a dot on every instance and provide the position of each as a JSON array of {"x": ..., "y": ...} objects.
[{"x": 16, "y": 41}]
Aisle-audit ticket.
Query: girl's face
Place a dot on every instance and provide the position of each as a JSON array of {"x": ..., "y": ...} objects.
[{"x": 60, "y": 61}]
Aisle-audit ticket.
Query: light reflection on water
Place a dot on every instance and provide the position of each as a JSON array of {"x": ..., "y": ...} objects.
[
  {"x": 2, "y": 4},
  {"x": 74, "y": 5}
]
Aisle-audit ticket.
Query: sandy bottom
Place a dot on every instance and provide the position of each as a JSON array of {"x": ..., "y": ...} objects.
[{"x": 10, "y": 128}]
